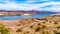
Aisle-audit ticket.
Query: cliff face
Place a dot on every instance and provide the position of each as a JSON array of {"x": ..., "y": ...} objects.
[{"x": 46, "y": 25}]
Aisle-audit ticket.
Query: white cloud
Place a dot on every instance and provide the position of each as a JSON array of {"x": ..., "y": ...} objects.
[
  {"x": 14, "y": 6},
  {"x": 55, "y": 6}
]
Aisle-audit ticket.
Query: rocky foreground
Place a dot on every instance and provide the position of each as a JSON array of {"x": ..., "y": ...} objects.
[{"x": 46, "y": 25}]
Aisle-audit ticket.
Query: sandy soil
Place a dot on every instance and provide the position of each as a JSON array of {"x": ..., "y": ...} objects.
[{"x": 46, "y": 25}]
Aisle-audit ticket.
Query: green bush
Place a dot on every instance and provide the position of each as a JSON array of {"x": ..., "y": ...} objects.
[
  {"x": 4, "y": 30},
  {"x": 56, "y": 32}
]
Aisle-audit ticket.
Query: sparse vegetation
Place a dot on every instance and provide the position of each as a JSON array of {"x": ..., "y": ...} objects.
[
  {"x": 33, "y": 26},
  {"x": 4, "y": 30},
  {"x": 37, "y": 29},
  {"x": 18, "y": 25},
  {"x": 43, "y": 26},
  {"x": 45, "y": 32},
  {"x": 39, "y": 23},
  {"x": 43, "y": 22},
  {"x": 56, "y": 32},
  {"x": 19, "y": 30},
  {"x": 58, "y": 26},
  {"x": 55, "y": 22},
  {"x": 50, "y": 21}
]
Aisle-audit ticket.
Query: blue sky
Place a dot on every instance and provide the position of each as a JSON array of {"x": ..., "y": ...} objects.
[{"x": 49, "y": 5}]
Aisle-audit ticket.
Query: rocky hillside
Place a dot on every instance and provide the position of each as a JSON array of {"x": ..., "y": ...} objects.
[
  {"x": 46, "y": 25},
  {"x": 15, "y": 13},
  {"x": 19, "y": 12}
]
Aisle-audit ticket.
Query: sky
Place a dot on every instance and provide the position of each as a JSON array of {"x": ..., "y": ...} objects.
[{"x": 49, "y": 5}]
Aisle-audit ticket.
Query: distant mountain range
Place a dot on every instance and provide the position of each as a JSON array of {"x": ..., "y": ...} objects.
[{"x": 31, "y": 11}]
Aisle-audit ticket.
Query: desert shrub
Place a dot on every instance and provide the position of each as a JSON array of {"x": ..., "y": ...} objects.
[
  {"x": 45, "y": 32},
  {"x": 39, "y": 23},
  {"x": 31, "y": 26},
  {"x": 18, "y": 25},
  {"x": 56, "y": 32},
  {"x": 43, "y": 22},
  {"x": 37, "y": 28},
  {"x": 24, "y": 33},
  {"x": 43, "y": 26},
  {"x": 18, "y": 30},
  {"x": 50, "y": 21},
  {"x": 55, "y": 22},
  {"x": 58, "y": 26},
  {"x": 4, "y": 30}
]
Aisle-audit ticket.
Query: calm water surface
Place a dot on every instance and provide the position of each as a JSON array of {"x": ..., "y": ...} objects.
[{"x": 21, "y": 17}]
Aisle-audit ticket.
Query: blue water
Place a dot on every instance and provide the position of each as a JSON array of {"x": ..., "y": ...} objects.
[{"x": 21, "y": 17}]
